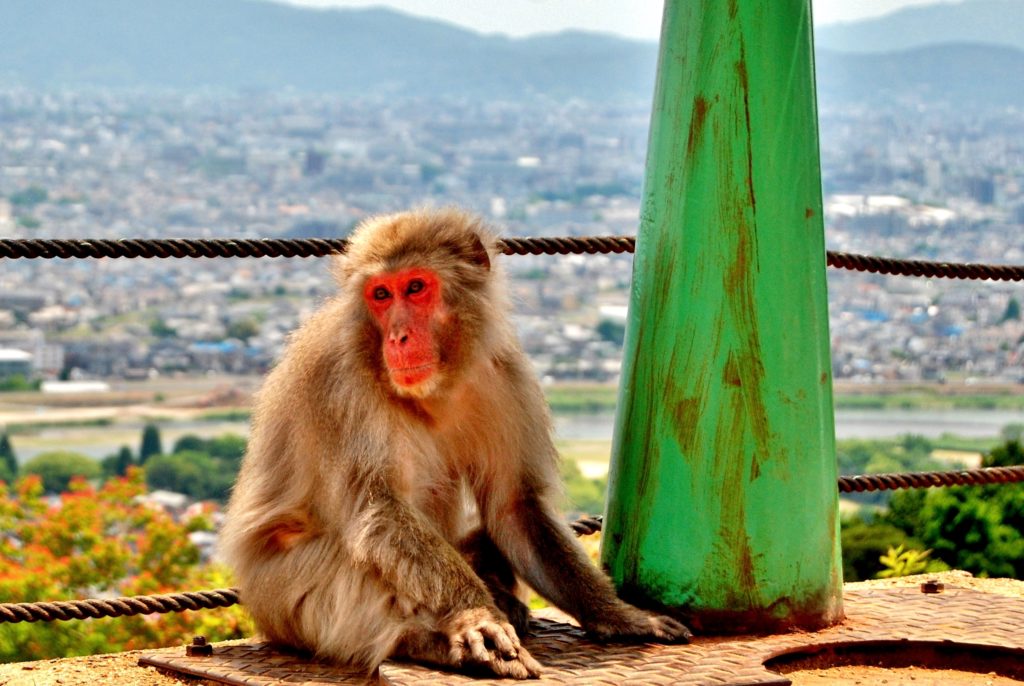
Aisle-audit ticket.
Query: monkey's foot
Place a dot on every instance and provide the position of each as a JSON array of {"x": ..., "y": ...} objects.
[
  {"x": 632, "y": 624},
  {"x": 479, "y": 638}
]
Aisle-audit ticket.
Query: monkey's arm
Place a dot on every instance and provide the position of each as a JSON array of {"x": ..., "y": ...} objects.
[
  {"x": 545, "y": 554},
  {"x": 400, "y": 546},
  {"x": 403, "y": 549}
]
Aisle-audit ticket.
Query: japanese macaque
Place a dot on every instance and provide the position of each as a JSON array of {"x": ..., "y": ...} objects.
[{"x": 401, "y": 476}]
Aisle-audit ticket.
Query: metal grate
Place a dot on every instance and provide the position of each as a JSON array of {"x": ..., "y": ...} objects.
[{"x": 906, "y": 617}]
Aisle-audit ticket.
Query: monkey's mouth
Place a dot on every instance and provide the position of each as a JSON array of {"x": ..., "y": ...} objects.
[{"x": 413, "y": 376}]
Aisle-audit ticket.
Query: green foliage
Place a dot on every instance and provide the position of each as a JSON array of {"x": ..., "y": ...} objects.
[
  {"x": 584, "y": 496},
  {"x": 965, "y": 528},
  {"x": 227, "y": 447},
  {"x": 610, "y": 331},
  {"x": 1012, "y": 312},
  {"x": 17, "y": 383},
  {"x": 8, "y": 460},
  {"x": 189, "y": 442},
  {"x": 228, "y": 415},
  {"x": 863, "y": 544},
  {"x": 30, "y": 197},
  {"x": 99, "y": 543},
  {"x": 118, "y": 463},
  {"x": 160, "y": 329},
  {"x": 243, "y": 329},
  {"x": 186, "y": 472},
  {"x": 27, "y": 221},
  {"x": 202, "y": 469},
  {"x": 929, "y": 399},
  {"x": 905, "y": 508},
  {"x": 907, "y": 453},
  {"x": 56, "y": 469},
  {"x": 581, "y": 398},
  {"x": 36, "y": 427},
  {"x": 899, "y": 562},
  {"x": 977, "y": 529},
  {"x": 151, "y": 444},
  {"x": 1008, "y": 454}
]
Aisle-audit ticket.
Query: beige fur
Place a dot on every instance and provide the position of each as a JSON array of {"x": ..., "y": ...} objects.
[{"x": 345, "y": 525}]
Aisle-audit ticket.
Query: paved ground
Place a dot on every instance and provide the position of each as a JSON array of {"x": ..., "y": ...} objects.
[{"x": 122, "y": 668}]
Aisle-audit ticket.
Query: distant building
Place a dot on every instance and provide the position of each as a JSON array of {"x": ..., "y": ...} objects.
[
  {"x": 24, "y": 300},
  {"x": 314, "y": 163},
  {"x": 981, "y": 189},
  {"x": 75, "y": 387},
  {"x": 14, "y": 363}
]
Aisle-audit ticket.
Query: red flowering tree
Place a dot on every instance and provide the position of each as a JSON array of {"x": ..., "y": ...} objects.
[{"x": 93, "y": 543}]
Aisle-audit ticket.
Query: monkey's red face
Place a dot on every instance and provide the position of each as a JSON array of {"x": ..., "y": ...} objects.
[{"x": 409, "y": 310}]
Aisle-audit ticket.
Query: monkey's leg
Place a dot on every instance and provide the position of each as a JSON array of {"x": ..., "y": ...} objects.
[
  {"x": 494, "y": 569},
  {"x": 313, "y": 597}
]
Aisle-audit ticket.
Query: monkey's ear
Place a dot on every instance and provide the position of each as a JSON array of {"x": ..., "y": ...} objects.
[{"x": 478, "y": 254}]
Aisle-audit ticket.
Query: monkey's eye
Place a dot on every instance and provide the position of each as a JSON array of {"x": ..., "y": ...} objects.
[
  {"x": 381, "y": 293},
  {"x": 415, "y": 286}
]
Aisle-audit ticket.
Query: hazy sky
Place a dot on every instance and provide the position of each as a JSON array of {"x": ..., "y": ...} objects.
[{"x": 635, "y": 18}]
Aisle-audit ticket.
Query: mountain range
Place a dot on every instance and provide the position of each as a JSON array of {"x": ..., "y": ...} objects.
[
  {"x": 972, "y": 51},
  {"x": 989, "y": 22}
]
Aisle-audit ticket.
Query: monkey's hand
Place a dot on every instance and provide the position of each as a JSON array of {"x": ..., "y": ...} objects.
[
  {"x": 628, "y": 623},
  {"x": 480, "y": 637}
]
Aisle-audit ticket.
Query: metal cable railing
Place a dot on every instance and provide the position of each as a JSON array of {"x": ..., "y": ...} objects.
[
  {"x": 966, "y": 477},
  {"x": 95, "y": 608},
  {"x": 225, "y": 597},
  {"x": 51, "y": 248},
  {"x": 319, "y": 247}
]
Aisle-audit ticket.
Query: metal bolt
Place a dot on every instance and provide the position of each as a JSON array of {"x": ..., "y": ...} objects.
[
  {"x": 932, "y": 586},
  {"x": 199, "y": 647}
]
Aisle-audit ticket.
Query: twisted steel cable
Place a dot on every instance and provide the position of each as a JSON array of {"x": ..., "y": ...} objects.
[
  {"x": 945, "y": 270},
  {"x": 225, "y": 597},
  {"x": 46, "y": 248},
  {"x": 967, "y": 477},
  {"x": 117, "y": 607},
  {"x": 568, "y": 246},
  {"x": 93, "y": 608},
  {"x": 271, "y": 247}
]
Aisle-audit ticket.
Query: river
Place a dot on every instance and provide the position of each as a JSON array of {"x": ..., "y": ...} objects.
[
  {"x": 99, "y": 441},
  {"x": 849, "y": 423}
]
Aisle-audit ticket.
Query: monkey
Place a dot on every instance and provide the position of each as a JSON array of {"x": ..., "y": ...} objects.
[{"x": 401, "y": 478}]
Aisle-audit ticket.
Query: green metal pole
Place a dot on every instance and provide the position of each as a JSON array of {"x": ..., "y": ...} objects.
[{"x": 722, "y": 493}]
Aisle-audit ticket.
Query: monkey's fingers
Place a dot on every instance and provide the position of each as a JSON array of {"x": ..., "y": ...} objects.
[
  {"x": 477, "y": 650},
  {"x": 504, "y": 638},
  {"x": 457, "y": 647},
  {"x": 670, "y": 630},
  {"x": 515, "y": 669},
  {"x": 523, "y": 667},
  {"x": 584, "y": 526}
]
